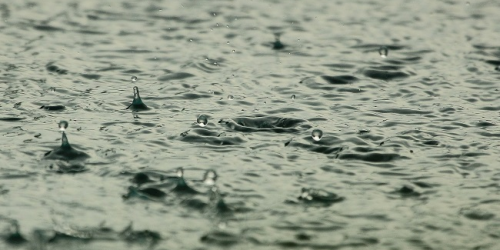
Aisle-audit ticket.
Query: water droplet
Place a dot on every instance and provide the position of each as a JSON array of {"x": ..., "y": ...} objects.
[
  {"x": 210, "y": 177},
  {"x": 202, "y": 120},
  {"x": 134, "y": 79},
  {"x": 383, "y": 51},
  {"x": 215, "y": 14},
  {"x": 234, "y": 51},
  {"x": 293, "y": 97},
  {"x": 180, "y": 172},
  {"x": 230, "y": 97},
  {"x": 317, "y": 134},
  {"x": 190, "y": 40},
  {"x": 63, "y": 125}
]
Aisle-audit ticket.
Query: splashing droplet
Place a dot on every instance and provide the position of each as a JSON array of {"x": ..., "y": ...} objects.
[
  {"x": 180, "y": 172},
  {"x": 202, "y": 120},
  {"x": 317, "y": 134},
  {"x": 134, "y": 79},
  {"x": 63, "y": 125},
  {"x": 383, "y": 51},
  {"x": 230, "y": 97},
  {"x": 293, "y": 97},
  {"x": 210, "y": 177}
]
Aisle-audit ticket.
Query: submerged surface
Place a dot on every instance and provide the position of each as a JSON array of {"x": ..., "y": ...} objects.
[{"x": 408, "y": 158}]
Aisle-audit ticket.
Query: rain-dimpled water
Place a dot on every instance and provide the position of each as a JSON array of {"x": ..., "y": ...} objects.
[{"x": 250, "y": 124}]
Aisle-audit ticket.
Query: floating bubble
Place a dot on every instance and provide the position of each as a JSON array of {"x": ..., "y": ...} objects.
[
  {"x": 202, "y": 120},
  {"x": 63, "y": 125},
  {"x": 383, "y": 51},
  {"x": 317, "y": 134},
  {"x": 210, "y": 177},
  {"x": 230, "y": 97},
  {"x": 134, "y": 79}
]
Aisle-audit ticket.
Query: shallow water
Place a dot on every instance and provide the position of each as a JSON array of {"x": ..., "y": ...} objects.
[{"x": 410, "y": 142}]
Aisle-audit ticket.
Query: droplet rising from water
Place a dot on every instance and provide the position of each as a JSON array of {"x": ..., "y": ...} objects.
[
  {"x": 210, "y": 177},
  {"x": 63, "y": 125},
  {"x": 317, "y": 134},
  {"x": 383, "y": 51},
  {"x": 202, "y": 120},
  {"x": 293, "y": 97},
  {"x": 230, "y": 97},
  {"x": 134, "y": 79},
  {"x": 180, "y": 172}
]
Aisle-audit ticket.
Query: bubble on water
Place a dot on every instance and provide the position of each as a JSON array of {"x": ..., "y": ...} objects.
[
  {"x": 63, "y": 125},
  {"x": 210, "y": 177},
  {"x": 230, "y": 97},
  {"x": 134, "y": 79},
  {"x": 293, "y": 97},
  {"x": 202, "y": 120},
  {"x": 383, "y": 51},
  {"x": 317, "y": 134}
]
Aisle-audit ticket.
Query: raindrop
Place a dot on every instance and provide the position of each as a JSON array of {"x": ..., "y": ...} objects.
[
  {"x": 230, "y": 97},
  {"x": 317, "y": 134},
  {"x": 383, "y": 51},
  {"x": 134, "y": 79},
  {"x": 210, "y": 177},
  {"x": 202, "y": 120},
  {"x": 180, "y": 172},
  {"x": 63, "y": 125},
  {"x": 293, "y": 97}
]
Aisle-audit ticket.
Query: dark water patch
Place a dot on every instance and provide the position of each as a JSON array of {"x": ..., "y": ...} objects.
[
  {"x": 380, "y": 73},
  {"x": 47, "y": 28},
  {"x": 220, "y": 238},
  {"x": 476, "y": 214},
  {"x": 340, "y": 66},
  {"x": 91, "y": 76},
  {"x": 372, "y": 157},
  {"x": 148, "y": 193},
  {"x": 376, "y": 47},
  {"x": 342, "y": 79},
  {"x": 485, "y": 124},
  {"x": 212, "y": 139},
  {"x": 402, "y": 111},
  {"x": 53, "y": 107},
  {"x": 319, "y": 196},
  {"x": 265, "y": 124},
  {"x": 175, "y": 76},
  {"x": 489, "y": 108},
  {"x": 67, "y": 167},
  {"x": 53, "y": 68},
  {"x": 11, "y": 119}
]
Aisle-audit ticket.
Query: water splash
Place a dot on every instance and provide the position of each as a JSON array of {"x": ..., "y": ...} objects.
[
  {"x": 134, "y": 79},
  {"x": 383, "y": 51},
  {"x": 202, "y": 120},
  {"x": 63, "y": 125},
  {"x": 137, "y": 103},
  {"x": 317, "y": 134}
]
